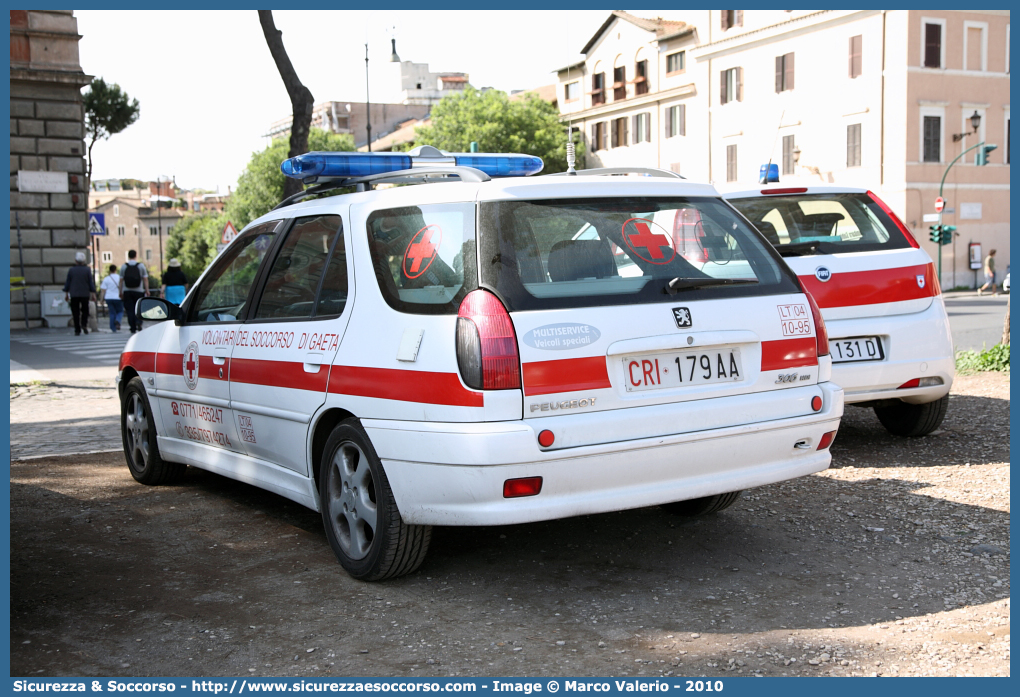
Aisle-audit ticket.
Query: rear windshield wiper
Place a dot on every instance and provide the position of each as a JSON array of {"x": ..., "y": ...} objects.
[
  {"x": 798, "y": 249},
  {"x": 679, "y": 283}
]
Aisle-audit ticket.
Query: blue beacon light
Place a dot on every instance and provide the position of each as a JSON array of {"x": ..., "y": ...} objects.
[
  {"x": 768, "y": 174},
  {"x": 316, "y": 165}
]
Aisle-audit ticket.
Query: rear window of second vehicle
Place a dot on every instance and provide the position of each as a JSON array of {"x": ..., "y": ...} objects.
[{"x": 850, "y": 222}]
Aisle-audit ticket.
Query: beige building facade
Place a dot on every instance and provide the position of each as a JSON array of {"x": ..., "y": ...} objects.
[{"x": 868, "y": 99}]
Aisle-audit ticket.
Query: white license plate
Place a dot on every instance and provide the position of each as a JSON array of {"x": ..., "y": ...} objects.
[
  {"x": 682, "y": 369},
  {"x": 857, "y": 349}
]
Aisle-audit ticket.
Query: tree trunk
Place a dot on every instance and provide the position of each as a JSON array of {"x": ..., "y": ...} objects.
[
  {"x": 300, "y": 96},
  {"x": 1005, "y": 326}
]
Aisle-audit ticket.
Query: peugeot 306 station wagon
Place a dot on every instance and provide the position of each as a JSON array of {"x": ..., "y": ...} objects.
[
  {"x": 483, "y": 349},
  {"x": 888, "y": 329}
]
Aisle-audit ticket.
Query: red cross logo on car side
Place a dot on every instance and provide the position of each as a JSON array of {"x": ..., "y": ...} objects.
[
  {"x": 191, "y": 365},
  {"x": 646, "y": 239},
  {"x": 422, "y": 248}
]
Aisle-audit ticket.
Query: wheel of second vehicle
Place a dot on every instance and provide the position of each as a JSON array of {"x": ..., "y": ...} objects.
[
  {"x": 902, "y": 419},
  {"x": 138, "y": 431},
  {"x": 362, "y": 522},
  {"x": 693, "y": 508}
]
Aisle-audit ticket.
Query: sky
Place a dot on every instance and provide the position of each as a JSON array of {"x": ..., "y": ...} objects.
[{"x": 208, "y": 87}]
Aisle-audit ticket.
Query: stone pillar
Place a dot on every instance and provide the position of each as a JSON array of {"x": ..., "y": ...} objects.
[{"x": 47, "y": 135}]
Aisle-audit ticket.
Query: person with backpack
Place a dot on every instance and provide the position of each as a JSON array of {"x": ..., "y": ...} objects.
[
  {"x": 134, "y": 285},
  {"x": 79, "y": 289},
  {"x": 111, "y": 294}
]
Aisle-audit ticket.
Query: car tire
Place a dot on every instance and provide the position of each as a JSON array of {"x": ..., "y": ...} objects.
[
  {"x": 363, "y": 525},
  {"x": 694, "y": 508},
  {"x": 138, "y": 431},
  {"x": 913, "y": 420}
]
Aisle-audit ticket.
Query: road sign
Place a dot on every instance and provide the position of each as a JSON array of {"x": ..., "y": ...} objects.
[
  {"x": 930, "y": 218},
  {"x": 940, "y": 203},
  {"x": 229, "y": 233},
  {"x": 97, "y": 223}
]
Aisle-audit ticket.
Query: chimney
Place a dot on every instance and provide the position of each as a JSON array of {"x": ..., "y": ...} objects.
[{"x": 394, "y": 58}]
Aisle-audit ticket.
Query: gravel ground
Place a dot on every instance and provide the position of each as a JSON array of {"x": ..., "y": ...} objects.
[{"x": 895, "y": 561}]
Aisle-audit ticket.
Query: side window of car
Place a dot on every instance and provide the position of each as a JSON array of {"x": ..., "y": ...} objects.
[
  {"x": 292, "y": 286},
  {"x": 223, "y": 295}
]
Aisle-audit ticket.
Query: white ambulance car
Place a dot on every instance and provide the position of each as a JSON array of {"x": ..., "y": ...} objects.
[
  {"x": 484, "y": 348},
  {"x": 877, "y": 289}
]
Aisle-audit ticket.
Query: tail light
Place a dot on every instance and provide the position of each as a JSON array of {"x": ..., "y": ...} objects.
[
  {"x": 899, "y": 223},
  {"x": 487, "y": 344},
  {"x": 826, "y": 440},
  {"x": 821, "y": 334}
]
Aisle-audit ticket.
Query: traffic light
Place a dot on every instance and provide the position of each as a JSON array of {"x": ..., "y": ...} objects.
[
  {"x": 947, "y": 233},
  {"x": 935, "y": 233},
  {"x": 982, "y": 156}
]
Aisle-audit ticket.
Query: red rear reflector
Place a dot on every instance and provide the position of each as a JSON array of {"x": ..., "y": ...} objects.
[
  {"x": 525, "y": 486},
  {"x": 899, "y": 224},
  {"x": 826, "y": 440},
  {"x": 821, "y": 333},
  {"x": 816, "y": 403},
  {"x": 773, "y": 192},
  {"x": 916, "y": 382},
  {"x": 487, "y": 344},
  {"x": 546, "y": 438}
]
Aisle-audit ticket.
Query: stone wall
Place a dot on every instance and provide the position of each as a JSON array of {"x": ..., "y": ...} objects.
[{"x": 47, "y": 134}]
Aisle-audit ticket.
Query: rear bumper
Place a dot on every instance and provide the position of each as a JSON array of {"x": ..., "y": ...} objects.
[
  {"x": 916, "y": 345},
  {"x": 453, "y": 474}
]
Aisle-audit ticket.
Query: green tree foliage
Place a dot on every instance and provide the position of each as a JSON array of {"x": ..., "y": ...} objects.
[
  {"x": 108, "y": 111},
  {"x": 128, "y": 184},
  {"x": 260, "y": 186},
  {"x": 499, "y": 124},
  {"x": 193, "y": 241}
]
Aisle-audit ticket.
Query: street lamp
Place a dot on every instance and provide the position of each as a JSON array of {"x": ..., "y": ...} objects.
[
  {"x": 975, "y": 123},
  {"x": 796, "y": 154}
]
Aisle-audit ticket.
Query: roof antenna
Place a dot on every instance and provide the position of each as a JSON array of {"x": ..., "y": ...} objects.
[{"x": 763, "y": 178}]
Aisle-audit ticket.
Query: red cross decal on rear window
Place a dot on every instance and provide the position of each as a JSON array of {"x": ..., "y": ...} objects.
[
  {"x": 422, "y": 248},
  {"x": 646, "y": 239}
]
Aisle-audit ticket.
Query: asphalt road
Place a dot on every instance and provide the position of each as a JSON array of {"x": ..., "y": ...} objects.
[{"x": 976, "y": 321}]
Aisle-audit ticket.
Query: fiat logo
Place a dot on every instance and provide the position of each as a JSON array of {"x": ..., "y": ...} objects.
[{"x": 823, "y": 274}]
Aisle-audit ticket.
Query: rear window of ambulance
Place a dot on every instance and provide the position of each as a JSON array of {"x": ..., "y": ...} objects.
[
  {"x": 424, "y": 256},
  {"x": 560, "y": 253},
  {"x": 837, "y": 222}
]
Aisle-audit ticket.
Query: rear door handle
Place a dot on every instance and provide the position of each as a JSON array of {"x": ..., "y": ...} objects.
[{"x": 313, "y": 361}]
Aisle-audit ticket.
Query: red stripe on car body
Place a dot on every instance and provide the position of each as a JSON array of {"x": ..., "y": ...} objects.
[
  {"x": 568, "y": 375},
  {"x": 850, "y": 288},
  {"x": 404, "y": 385},
  {"x": 251, "y": 371},
  {"x": 788, "y": 353},
  {"x": 142, "y": 361}
]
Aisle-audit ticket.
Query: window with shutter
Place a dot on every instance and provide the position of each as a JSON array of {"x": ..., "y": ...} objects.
[
  {"x": 682, "y": 119},
  {"x": 932, "y": 45},
  {"x": 932, "y": 139},
  {"x": 641, "y": 77},
  {"x": 784, "y": 72},
  {"x": 619, "y": 83},
  {"x": 669, "y": 121},
  {"x": 598, "y": 92},
  {"x": 855, "y": 56},
  {"x": 738, "y": 76},
  {"x": 853, "y": 145},
  {"x": 788, "y": 145},
  {"x": 731, "y": 163},
  {"x": 723, "y": 94}
]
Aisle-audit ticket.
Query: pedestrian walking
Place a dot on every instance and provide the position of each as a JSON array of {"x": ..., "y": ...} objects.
[
  {"x": 79, "y": 289},
  {"x": 989, "y": 274},
  {"x": 111, "y": 294},
  {"x": 134, "y": 285},
  {"x": 175, "y": 283}
]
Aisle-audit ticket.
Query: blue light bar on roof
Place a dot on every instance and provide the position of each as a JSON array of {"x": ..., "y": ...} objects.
[
  {"x": 768, "y": 174},
  {"x": 322, "y": 165}
]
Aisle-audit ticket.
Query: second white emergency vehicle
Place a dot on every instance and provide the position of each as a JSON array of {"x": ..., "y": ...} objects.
[
  {"x": 889, "y": 334},
  {"x": 488, "y": 349}
]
